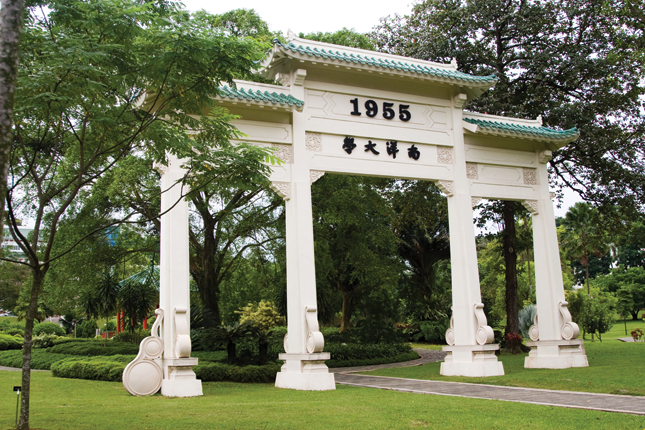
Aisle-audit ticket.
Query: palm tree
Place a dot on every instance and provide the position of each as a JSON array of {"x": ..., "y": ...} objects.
[
  {"x": 215, "y": 336},
  {"x": 584, "y": 235}
]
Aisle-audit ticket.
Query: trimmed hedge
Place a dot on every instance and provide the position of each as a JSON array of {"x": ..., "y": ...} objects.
[
  {"x": 10, "y": 342},
  {"x": 358, "y": 351},
  {"x": 93, "y": 368},
  {"x": 94, "y": 348},
  {"x": 40, "y": 359},
  {"x": 225, "y": 372},
  {"x": 407, "y": 356},
  {"x": 209, "y": 355}
]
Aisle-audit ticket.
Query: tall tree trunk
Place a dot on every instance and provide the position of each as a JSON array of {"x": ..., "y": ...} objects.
[
  {"x": 10, "y": 28},
  {"x": 348, "y": 308},
  {"x": 37, "y": 280},
  {"x": 510, "y": 259},
  {"x": 587, "y": 278},
  {"x": 206, "y": 277}
]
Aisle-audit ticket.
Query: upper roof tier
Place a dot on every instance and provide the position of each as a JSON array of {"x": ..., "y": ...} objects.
[{"x": 319, "y": 52}]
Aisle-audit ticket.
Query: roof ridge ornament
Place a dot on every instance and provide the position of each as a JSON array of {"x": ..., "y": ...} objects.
[{"x": 290, "y": 35}]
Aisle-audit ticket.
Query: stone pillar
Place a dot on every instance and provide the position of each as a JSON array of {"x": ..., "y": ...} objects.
[
  {"x": 553, "y": 335},
  {"x": 304, "y": 367},
  {"x": 470, "y": 352},
  {"x": 179, "y": 380}
]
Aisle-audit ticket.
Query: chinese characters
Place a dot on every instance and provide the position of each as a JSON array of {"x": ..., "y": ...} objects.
[{"x": 392, "y": 148}]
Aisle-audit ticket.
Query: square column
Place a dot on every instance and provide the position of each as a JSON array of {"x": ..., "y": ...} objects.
[
  {"x": 554, "y": 344},
  {"x": 179, "y": 380},
  {"x": 470, "y": 352},
  {"x": 304, "y": 362}
]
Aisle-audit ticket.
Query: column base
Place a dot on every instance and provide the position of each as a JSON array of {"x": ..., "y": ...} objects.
[
  {"x": 179, "y": 378},
  {"x": 305, "y": 372},
  {"x": 471, "y": 360},
  {"x": 556, "y": 354}
]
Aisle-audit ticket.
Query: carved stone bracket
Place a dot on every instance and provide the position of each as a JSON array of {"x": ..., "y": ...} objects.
[
  {"x": 450, "y": 333},
  {"x": 314, "y": 175},
  {"x": 460, "y": 100},
  {"x": 301, "y": 74},
  {"x": 284, "y": 79},
  {"x": 283, "y": 152},
  {"x": 446, "y": 187},
  {"x": 569, "y": 330},
  {"x": 474, "y": 201},
  {"x": 534, "y": 332},
  {"x": 143, "y": 375},
  {"x": 531, "y": 206},
  {"x": 182, "y": 341},
  {"x": 313, "y": 142},
  {"x": 530, "y": 177},
  {"x": 472, "y": 171},
  {"x": 444, "y": 155},
  {"x": 545, "y": 156},
  {"x": 315, "y": 339},
  {"x": 282, "y": 188},
  {"x": 484, "y": 332},
  {"x": 160, "y": 168}
]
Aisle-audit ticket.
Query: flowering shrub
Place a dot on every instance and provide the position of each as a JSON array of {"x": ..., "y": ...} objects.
[
  {"x": 513, "y": 342},
  {"x": 637, "y": 335}
]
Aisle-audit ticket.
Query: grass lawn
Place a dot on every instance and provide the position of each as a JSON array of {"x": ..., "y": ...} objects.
[
  {"x": 76, "y": 404},
  {"x": 614, "y": 367}
]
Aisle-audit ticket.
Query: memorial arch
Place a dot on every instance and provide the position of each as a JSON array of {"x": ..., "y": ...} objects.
[{"x": 352, "y": 111}]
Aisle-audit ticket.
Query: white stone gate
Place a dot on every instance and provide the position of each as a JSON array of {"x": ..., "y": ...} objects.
[{"x": 351, "y": 111}]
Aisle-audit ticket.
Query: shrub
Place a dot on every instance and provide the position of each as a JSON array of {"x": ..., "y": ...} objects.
[
  {"x": 49, "y": 328},
  {"x": 225, "y": 372},
  {"x": 10, "y": 342},
  {"x": 86, "y": 328},
  {"x": 637, "y": 335},
  {"x": 40, "y": 358},
  {"x": 44, "y": 340},
  {"x": 526, "y": 317},
  {"x": 128, "y": 337},
  {"x": 94, "y": 348},
  {"x": 435, "y": 331},
  {"x": 407, "y": 356},
  {"x": 92, "y": 368},
  {"x": 263, "y": 315},
  {"x": 357, "y": 351},
  {"x": 12, "y": 330}
]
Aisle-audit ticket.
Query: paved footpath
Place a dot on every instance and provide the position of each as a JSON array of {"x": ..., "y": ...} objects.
[{"x": 567, "y": 399}]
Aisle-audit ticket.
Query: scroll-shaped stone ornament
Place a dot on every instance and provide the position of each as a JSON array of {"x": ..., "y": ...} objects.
[
  {"x": 182, "y": 341},
  {"x": 484, "y": 332},
  {"x": 534, "y": 332},
  {"x": 569, "y": 330},
  {"x": 143, "y": 375},
  {"x": 315, "y": 339},
  {"x": 450, "y": 333}
]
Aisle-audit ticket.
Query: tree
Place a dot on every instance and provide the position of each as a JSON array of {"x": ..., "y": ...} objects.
[
  {"x": 344, "y": 37},
  {"x": 630, "y": 283},
  {"x": 12, "y": 278},
  {"x": 584, "y": 235},
  {"x": 551, "y": 59},
  {"x": 11, "y": 21},
  {"x": 355, "y": 246},
  {"x": 98, "y": 82}
]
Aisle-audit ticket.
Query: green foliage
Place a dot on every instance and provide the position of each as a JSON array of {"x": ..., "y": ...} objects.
[
  {"x": 361, "y": 351},
  {"x": 10, "y": 342},
  {"x": 213, "y": 338},
  {"x": 95, "y": 348},
  {"x": 406, "y": 356},
  {"x": 48, "y": 328},
  {"x": 344, "y": 37},
  {"x": 131, "y": 337},
  {"x": 264, "y": 315},
  {"x": 594, "y": 314},
  {"x": 44, "y": 340},
  {"x": 629, "y": 286},
  {"x": 40, "y": 359},
  {"x": 226, "y": 372},
  {"x": 434, "y": 331},
  {"x": 526, "y": 316},
  {"x": 12, "y": 278},
  {"x": 11, "y": 329},
  {"x": 94, "y": 368},
  {"x": 86, "y": 329}
]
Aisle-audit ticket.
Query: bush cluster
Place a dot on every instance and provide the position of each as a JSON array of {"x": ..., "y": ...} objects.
[
  {"x": 10, "y": 342},
  {"x": 94, "y": 348},
  {"x": 134, "y": 337},
  {"x": 407, "y": 356},
  {"x": 92, "y": 368},
  {"x": 11, "y": 329},
  {"x": 40, "y": 358},
  {"x": 49, "y": 328},
  {"x": 225, "y": 372},
  {"x": 45, "y": 340},
  {"x": 358, "y": 351}
]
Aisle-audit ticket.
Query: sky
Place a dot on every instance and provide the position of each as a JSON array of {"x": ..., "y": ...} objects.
[{"x": 309, "y": 16}]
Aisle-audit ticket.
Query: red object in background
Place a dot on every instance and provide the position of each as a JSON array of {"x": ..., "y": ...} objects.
[
  {"x": 118, "y": 322},
  {"x": 145, "y": 324},
  {"x": 110, "y": 335}
]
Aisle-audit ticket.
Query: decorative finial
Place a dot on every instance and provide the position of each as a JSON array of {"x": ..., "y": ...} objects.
[
  {"x": 290, "y": 35},
  {"x": 453, "y": 62},
  {"x": 539, "y": 119}
]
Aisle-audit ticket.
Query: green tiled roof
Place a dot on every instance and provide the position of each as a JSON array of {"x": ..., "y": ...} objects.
[
  {"x": 541, "y": 132},
  {"x": 385, "y": 63},
  {"x": 259, "y": 96}
]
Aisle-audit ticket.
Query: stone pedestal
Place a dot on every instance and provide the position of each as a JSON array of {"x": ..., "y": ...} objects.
[
  {"x": 305, "y": 372},
  {"x": 179, "y": 378},
  {"x": 471, "y": 360},
  {"x": 556, "y": 354}
]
